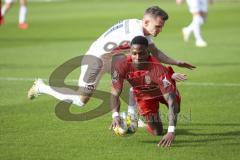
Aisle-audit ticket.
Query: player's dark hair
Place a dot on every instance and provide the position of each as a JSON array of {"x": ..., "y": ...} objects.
[
  {"x": 155, "y": 11},
  {"x": 140, "y": 40}
]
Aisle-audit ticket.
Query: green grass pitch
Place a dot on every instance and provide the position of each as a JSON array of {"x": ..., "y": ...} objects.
[{"x": 61, "y": 30}]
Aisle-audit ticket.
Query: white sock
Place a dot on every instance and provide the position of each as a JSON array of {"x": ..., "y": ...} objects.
[
  {"x": 197, "y": 22},
  {"x": 190, "y": 27},
  {"x": 131, "y": 102},
  {"x": 3, "y": 10},
  {"x": 22, "y": 14},
  {"x": 43, "y": 88}
]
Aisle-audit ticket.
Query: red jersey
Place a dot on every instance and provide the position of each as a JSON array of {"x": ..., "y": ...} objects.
[{"x": 149, "y": 83}]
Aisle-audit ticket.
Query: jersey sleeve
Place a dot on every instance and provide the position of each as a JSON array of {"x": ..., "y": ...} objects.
[
  {"x": 164, "y": 77},
  {"x": 170, "y": 73},
  {"x": 166, "y": 84}
]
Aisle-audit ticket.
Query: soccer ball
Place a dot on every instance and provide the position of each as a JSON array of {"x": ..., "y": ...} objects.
[{"x": 128, "y": 125}]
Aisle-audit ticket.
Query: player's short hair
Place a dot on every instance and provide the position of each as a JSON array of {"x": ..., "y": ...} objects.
[
  {"x": 139, "y": 40},
  {"x": 156, "y": 11}
]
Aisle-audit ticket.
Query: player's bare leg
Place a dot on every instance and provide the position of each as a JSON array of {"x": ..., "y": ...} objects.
[
  {"x": 63, "y": 94},
  {"x": 198, "y": 20},
  {"x": 6, "y": 7},
  {"x": 195, "y": 28},
  {"x": 23, "y": 14},
  {"x": 92, "y": 69},
  {"x": 154, "y": 124},
  {"x": 198, "y": 10}
]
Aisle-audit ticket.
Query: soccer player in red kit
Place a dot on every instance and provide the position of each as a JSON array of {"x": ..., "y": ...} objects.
[{"x": 152, "y": 83}]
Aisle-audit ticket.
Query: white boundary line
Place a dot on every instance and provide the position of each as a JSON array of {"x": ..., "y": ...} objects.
[
  {"x": 210, "y": 84},
  {"x": 25, "y": 79}
]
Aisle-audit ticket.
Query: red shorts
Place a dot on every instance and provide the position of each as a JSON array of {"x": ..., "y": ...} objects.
[{"x": 151, "y": 106}]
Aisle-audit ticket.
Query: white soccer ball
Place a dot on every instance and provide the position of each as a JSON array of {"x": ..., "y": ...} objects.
[{"x": 128, "y": 125}]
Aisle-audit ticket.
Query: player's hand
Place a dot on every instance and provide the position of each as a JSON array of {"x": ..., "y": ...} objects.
[
  {"x": 185, "y": 65},
  {"x": 115, "y": 122},
  {"x": 179, "y": 77},
  {"x": 167, "y": 140}
]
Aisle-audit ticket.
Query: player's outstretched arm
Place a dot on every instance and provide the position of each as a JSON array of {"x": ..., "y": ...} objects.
[
  {"x": 116, "y": 90},
  {"x": 163, "y": 58},
  {"x": 174, "y": 109},
  {"x": 115, "y": 106}
]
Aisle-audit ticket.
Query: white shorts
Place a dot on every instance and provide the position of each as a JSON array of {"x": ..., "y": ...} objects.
[
  {"x": 8, "y": 1},
  {"x": 197, "y": 6},
  {"x": 92, "y": 69}
]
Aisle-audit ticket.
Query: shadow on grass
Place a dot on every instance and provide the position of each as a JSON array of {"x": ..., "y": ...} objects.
[
  {"x": 188, "y": 133},
  {"x": 211, "y": 124},
  {"x": 206, "y": 139},
  {"x": 203, "y": 139}
]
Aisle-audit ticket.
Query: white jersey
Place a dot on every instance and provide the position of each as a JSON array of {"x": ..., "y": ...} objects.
[{"x": 118, "y": 38}]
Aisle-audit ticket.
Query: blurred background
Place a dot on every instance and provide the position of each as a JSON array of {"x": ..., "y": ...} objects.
[{"x": 59, "y": 30}]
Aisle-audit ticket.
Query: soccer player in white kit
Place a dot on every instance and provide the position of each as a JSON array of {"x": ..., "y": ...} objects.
[
  {"x": 22, "y": 12},
  {"x": 199, "y": 10},
  {"x": 99, "y": 56}
]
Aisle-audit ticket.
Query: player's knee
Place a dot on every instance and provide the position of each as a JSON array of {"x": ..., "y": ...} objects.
[
  {"x": 85, "y": 93},
  {"x": 83, "y": 100},
  {"x": 74, "y": 101},
  {"x": 79, "y": 101},
  {"x": 156, "y": 131}
]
